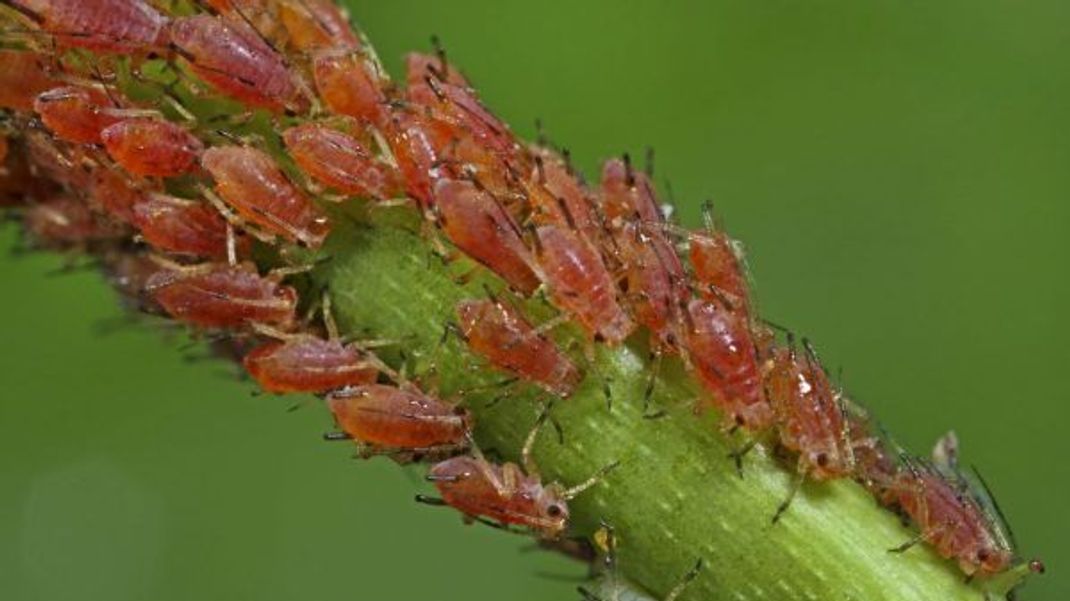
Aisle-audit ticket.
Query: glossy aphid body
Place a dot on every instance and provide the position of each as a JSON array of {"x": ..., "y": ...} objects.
[
  {"x": 338, "y": 161},
  {"x": 498, "y": 332},
  {"x": 184, "y": 227},
  {"x": 77, "y": 114},
  {"x": 572, "y": 202},
  {"x": 23, "y": 77},
  {"x": 308, "y": 363},
  {"x": 399, "y": 420},
  {"x": 417, "y": 142},
  {"x": 314, "y": 24},
  {"x": 350, "y": 83},
  {"x": 221, "y": 295},
  {"x": 116, "y": 194},
  {"x": 251, "y": 183},
  {"x": 152, "y": 147},
  {"x": 109, "y": 26},
  {"x": 233, "y": 57},
  {"x": 477, "y": 224}
]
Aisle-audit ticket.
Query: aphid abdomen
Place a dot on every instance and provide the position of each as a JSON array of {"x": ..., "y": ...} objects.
[
  {"x": 627, "y": 195},
  {"x": 500, "y": 334},
  {"x": 308, "y": 365},
  {"x": 76, "y": 114},
  {"x": 313, "y": 24},
  {"x": 718, "y": 270},
  {"x": 474, "y": 221},
  {"x": 152, "y": 147},
  {"x": 231, "y": 56},
  {"x": 184, "y": 227},
  {"x": 338, "y": 161},
  {"x": 350, "y": 85},
  {"x": 554, "y": 175},
  {"x": 417, "y": 142},
  {"x": 251, "y": 182},
  {"x": 656, "y": 283},
  {"x": 398, "y": 418},
  {"x": 581, "y": 285},
  {"x": 22, "y": 79},
  {"x": 115, "y": 194},
  {"x": 719, "y": 346},
  {"x": 224, "y": 296},
  {"x": 113, "y": 26}
]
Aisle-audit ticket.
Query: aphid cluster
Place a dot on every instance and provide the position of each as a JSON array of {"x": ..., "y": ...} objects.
[{"x": 177, "y": 201}]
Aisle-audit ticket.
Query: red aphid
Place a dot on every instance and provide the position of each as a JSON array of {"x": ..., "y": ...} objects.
[
  {"x": 234, "y": 58},
  {"x": 418, "y": 143},
  {"x": 555, "y": 176},
  {"x": 128, "y": 273},
  {"x": 876, "y": 466},
  {"x": 313, "y": 24},
  {"x": 655, "y": 281},
  {"x": 218, "y": 295},
  {"x": 152, "y": 147},
  {"x": 580, "y": 284},
  {"x": 476, "y": 222},
  {"x": 252, "y": 183},
  {"x": 76, "y": 114},
  {"x": 65, "y": 221},
  {"x": 627, "y": 195},
  {"x": 719, "y": 271},
  {"x": 308, "y": 364},
  {"x": 502, "y": 492},
  {"x": 499, "y": 333},
  {"x": 184, "y": 227},
  {"x": 399, "y": 419},
  {"x": 719, "y": 347},
  {"x": 340, "y": 162},
  {"x": 61, "y": 165},
  {"x": 811, "y": 420},
  {"x": 350, "y": 84},
  {"x": 418, "y": 66},
  {"x": 113, "y": 26},
  {"x": 115, "y": 194},
  {"x": 22, "y": 78}
]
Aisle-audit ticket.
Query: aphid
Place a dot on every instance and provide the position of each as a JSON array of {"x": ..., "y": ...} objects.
[
  {"x": 64, "y": 221},
  {"x": 220, "y": 295},
  {"x": 554, "y": 174},
  {"x": 115, "y": 194},
  {"x": 232, "y": 56},
  {"x": 22, "y": 78},
  {"x": 474, "y": 221},
  {"x": 340, "y": 162},
  {"x": 312, "y": 24},
  {"x": 350, "y": 84},
  {"x": 113, "y": 26},
  {"x": 507, "y": 493},
  {"x": 417, "y": 142},
  {"x": 184, "y": 227},
  {"x": 655, "y": 282},
  {"x": 498, "y": 332},
  {"x": 251, "y": 182},
  {"x": 580, "y": 284},
  {"x": 876, "y": 467},
  {"x": 77, "y": 114},
  {"x": 719, "y": 347},
  {"x": 61, "y": 165},
  {"x": 719, "y": 270},
  {"x": 399, "y": 420},
  {"x": 128, "y": 273},
  {"x": 307, "y": 363},
  {"x": 627, "y": 195},
  {"x": 152, "y": 147}
]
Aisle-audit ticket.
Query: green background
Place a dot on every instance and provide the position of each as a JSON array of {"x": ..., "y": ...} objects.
[{"x": 898, "y": 171}]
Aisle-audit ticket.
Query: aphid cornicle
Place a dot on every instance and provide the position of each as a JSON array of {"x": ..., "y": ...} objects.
[
  {"x": 152, "y": 147},
  {"x": 22, "y": 78},
  {"x": 399, "y": 420},
  {"x": 112, "y": 26},
  {"x": 184, "y": 227},
  {"x": 718, "y": 345},
  {"x": 498, "y": 332},
  {"x": 250, "y": 182},
  {"x": 220, "y": 295},
  {"x": 580, "y": 284},
  {"x": 474, "y": 221},
  {"x": 340, "y": 162},
  {"x": 231, "y": 56}
]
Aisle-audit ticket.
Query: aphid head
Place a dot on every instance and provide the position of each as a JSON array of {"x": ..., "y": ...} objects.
[
  {"x": 552, "y": 509},
  {"x": 991, "y": 560}
]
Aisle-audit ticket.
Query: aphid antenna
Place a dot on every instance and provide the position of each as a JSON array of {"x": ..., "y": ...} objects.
[
  {"x": 801, "y": 471},
  {"x": 575, "y": 491},
  {"x": 649, "y": 167},
  {"x": 433, "y": 83},
  {"x": 526, "y": 460},
  {"x": 1002, "y": 528},
  {"x": 629, "y": 172},
  {"x": 440, "y": 53},
  {"x": 685, "y": 581}
]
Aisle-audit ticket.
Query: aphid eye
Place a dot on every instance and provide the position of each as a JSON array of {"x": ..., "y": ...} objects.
[
  {"x": 740, "y": 421},
  {"x": 982, "y": 555},
  {"x": 822, "y": 459},
  {"x": 554, "y": 510}
]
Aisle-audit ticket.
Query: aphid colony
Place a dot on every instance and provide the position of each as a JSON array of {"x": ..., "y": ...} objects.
[{"x": 175, "y": 203}]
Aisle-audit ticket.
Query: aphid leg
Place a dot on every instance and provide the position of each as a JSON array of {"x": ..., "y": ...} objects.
[
  {"x": 434, "y": 501},
  {"x": 688, "y": 578},
  {"x": 232, "y": 218},
  {"x": 652, "y": 380},
  {"x": 903, "y": 548},
  {"x": 738, "y": 454},
  {"x": 232, "y": 246},
  {"x": 800, "y": 477},
  {"x": 529, "y": 444}
]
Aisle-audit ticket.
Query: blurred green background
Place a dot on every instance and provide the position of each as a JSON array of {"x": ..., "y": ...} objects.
[{"x": 898, "y": 171}]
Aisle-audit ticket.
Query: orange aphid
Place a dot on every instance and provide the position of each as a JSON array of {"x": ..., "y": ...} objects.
[
  {"x": 184, "y": 227},
  {"x": 49, "y": 161},
  {"x": 350, "y": 84},
  {"x": 418, "y": 66},
  {"x": 77, "y": 114},
  {"x": 811, "y": 420},
  {"x": 152, "y": 147},
  {"x": 876, "y": 467},
  {"x": 719, "y": 269},
  {"x": 553, "y": 175},
  {"x": 65, "y": 221},
  {"x": 233, "y": 57},
  {"x": 399, "y": 420},
  {"x": 252, "y": 183},
  {"x": 116, "y": 26},
  {"x": 627, "y": 195},
  {"x": 474, "y": 221},
  {"x": 719, "y": 347},
  {"x": 417, "y": 142},
  {"x": 308, "y": 364},
  {"x": 340, "y": 162},
  {"x": 655, "y": 281},
  {"x": 22, "y": 79},
  {"x": 499, "y": 333},
  {"x": 580, "y": 284},
  {"x": 218, "y": 295},
  {"x": 115, "y": 194},
  {"x": 312, "y": 24}
]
